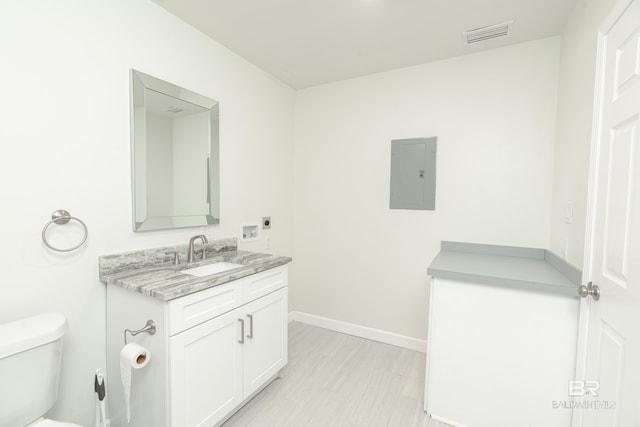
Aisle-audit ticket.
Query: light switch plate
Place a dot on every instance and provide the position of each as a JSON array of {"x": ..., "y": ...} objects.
[{"x": 568, "y": 212}]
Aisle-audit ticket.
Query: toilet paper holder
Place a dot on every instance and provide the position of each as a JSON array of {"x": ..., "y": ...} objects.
[{"x": 150, "y": 328}]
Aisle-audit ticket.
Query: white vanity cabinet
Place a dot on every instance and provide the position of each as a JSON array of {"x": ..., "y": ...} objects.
[
  {"x": 213, "y": 350},
  {"x": 221, "y": 362},
  {"x": 503, "y": 329}
]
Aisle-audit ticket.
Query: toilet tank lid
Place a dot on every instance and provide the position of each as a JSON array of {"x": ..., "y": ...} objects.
[{"x": 23, "y": 334}]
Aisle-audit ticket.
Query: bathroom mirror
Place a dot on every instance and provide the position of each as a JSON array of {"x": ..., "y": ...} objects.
[{"x": 175, "y": 160}]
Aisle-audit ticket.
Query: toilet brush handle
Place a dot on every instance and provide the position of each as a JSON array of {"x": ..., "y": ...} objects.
[
  {"x": 98, "y": 387},
  {"x": 103, "y": 417}
]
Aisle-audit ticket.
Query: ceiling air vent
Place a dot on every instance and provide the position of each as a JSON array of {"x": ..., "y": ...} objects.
[
  {"x": 488, "y": 33},
  {"x": 174, "y": 110}
]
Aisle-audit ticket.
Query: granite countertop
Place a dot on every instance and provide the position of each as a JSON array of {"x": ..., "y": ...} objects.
[
  {"x": 517, "y": 267},
  {"x": 152, "y": 273}
]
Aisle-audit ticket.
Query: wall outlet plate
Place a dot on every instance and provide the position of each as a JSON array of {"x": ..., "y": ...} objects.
[
  {"x": 266, "y": 222},
  {"x": 249, "y": 233}
]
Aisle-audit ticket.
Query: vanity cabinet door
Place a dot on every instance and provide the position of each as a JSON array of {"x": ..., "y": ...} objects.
[
  {"x": 206, "y": 371},
  {"x": 265, "y": 343}
]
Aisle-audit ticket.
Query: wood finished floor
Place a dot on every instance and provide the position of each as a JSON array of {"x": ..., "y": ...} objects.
[{"x": 334, "y": 379}]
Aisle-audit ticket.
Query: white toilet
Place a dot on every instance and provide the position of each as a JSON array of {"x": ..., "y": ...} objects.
[{"x": 30, "y": 355}]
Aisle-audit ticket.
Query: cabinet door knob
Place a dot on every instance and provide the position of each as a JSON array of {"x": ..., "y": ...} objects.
[
  {"x": 250, "y": 316},
  {"x": 241, "y": 340}
]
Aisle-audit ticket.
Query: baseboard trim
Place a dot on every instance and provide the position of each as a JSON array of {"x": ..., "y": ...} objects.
[{"x": 359, "y": 331}]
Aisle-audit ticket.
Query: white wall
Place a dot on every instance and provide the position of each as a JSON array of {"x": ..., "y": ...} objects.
[
  {"x": 573, "y": 134},
  {"x": 494, "y": 114},
  {"x": 64, "y": 82}
]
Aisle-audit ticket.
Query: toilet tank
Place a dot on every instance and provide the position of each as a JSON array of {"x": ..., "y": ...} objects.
[{"x": 30, "y": 355}]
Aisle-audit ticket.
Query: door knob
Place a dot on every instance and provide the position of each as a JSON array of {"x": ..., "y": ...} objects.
[{"x": 590, "y": 289}]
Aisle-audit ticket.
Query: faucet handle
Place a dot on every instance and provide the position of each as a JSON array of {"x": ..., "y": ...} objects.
[{"x": 174, "y": 256}]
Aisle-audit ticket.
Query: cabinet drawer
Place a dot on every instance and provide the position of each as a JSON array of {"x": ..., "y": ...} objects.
[
  {"x": 199, "y": 307},
  {"x": 263, "y": 283}
]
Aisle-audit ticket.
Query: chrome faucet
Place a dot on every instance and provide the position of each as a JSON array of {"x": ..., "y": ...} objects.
[{"x": 191, "y": 241}]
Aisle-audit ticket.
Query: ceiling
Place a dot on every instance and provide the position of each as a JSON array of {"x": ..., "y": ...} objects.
[{"x": 311, "y": 42}]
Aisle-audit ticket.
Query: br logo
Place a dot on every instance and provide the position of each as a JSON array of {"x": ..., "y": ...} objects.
[{"x": 579, "y": 388}]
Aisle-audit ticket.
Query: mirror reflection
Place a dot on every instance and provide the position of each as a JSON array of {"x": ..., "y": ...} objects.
[{"x": 175, "y": 145}]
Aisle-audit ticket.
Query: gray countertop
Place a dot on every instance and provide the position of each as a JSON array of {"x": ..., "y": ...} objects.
[
  {"x": 526, "y": 268},
  {"x": 150, "y": 273}
]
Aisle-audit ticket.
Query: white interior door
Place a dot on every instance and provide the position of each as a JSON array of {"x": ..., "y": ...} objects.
[{"x": 608, "y": 375}]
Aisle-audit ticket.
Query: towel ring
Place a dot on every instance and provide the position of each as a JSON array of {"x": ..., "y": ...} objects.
[{"x": 61, "y": 217}]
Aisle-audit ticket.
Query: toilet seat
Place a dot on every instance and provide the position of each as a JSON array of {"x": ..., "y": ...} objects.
[{"x": 43, "y": 422}]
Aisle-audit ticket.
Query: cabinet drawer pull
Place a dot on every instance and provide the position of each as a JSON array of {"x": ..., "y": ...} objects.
[
  {"x": 241, "y": 340},
  {"x": 250, "y": 316}
]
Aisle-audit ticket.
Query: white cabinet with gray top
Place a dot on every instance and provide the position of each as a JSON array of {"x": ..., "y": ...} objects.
[
  {"x": 219, "y": 338},
  {"x": 503, "y": 326}
]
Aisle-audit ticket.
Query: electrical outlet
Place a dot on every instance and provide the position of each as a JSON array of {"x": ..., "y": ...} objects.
[{"x": 266, "y": 222}]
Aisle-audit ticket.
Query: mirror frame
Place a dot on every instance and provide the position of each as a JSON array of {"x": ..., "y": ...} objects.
[{"x": 139, "y": 84}]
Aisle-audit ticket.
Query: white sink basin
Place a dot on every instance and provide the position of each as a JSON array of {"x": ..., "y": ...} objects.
[{"x": 206, "y": 270}]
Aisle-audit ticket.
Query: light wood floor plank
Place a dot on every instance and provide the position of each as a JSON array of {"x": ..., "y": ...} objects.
[{"x": 334, "y": 379}]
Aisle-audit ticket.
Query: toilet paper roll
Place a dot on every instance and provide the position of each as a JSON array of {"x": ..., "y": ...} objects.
[{"x": 132, "y": 356}]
